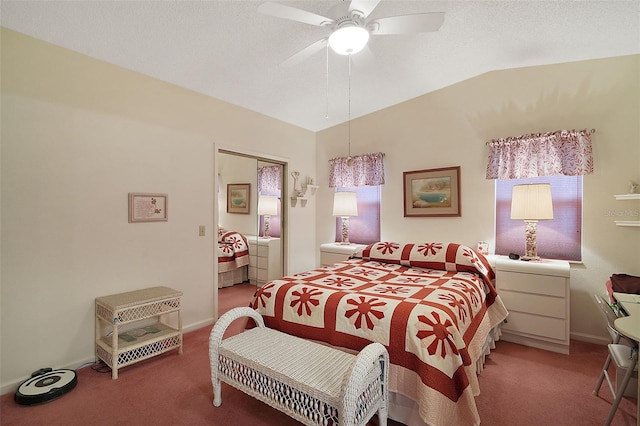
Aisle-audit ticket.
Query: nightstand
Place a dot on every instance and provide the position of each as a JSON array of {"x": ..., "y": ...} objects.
[
  {"x": 265, "y": 260},
  {"x": 537, "y": 296},
  {"x": 331, "y": 253}
]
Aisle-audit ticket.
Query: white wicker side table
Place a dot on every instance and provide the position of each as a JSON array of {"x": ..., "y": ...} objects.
[{"x": 119, "y": 343}]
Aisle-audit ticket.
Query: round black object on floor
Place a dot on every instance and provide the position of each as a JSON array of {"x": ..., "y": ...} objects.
[{"x": 45, "y": 385}]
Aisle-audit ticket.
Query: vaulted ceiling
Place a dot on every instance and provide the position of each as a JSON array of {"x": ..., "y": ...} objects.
[{"x": 228, "y": 50}]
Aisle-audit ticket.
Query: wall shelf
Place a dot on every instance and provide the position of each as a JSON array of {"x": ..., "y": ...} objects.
[
  {"x": 305, "y": 192},
  {"x": 295, "y": 200},
  {"x": 628, "y": 222},
  {"x": 304, "y": 195},
  {"x": 628, "y": 197}
]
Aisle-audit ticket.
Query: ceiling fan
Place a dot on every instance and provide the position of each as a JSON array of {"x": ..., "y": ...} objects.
[{"x": 350, "y": 29}]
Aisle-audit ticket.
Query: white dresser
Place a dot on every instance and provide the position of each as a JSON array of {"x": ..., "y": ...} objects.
[
  {"x": 331, "y": 253},
  {"x": 265, "y": 259},
  {"x": 537, "y": 296}
]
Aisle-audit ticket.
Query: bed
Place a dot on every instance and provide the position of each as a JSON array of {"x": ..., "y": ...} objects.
[
  {"x": 233, "y": 258},
  {"x": 433, "y": 305}
]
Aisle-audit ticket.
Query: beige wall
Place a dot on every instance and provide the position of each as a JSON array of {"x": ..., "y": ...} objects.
[
  {"x": 449, "y": 128},
  {"x": 77, "y": 136}
]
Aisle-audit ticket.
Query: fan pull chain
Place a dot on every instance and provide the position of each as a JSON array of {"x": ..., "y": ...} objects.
[
  {"x": 326, "y": 113},
  {"x": 349, "y": 117}
]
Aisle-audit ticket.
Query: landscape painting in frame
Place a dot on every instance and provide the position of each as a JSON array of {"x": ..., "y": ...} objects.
[
  {"x": 238, "y": 198},
  {"x": 433, "y": 192}
]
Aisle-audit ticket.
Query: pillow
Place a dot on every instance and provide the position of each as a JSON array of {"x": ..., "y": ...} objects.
[{"x": 431, "y": 255}]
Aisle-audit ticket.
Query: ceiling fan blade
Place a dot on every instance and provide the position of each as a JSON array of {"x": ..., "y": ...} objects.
[
  {"x": 364, "y": 6},
  {"x": 407, "y": 24},
  {"x": 305, "y": 53},
  {"x": 293, "y": 14}
]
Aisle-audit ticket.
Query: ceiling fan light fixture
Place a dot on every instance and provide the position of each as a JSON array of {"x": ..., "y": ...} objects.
[{"x": 349, "y": 39}]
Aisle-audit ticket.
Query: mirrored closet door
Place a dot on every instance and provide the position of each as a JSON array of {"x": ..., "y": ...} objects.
[{"x": 250, "y": 193}]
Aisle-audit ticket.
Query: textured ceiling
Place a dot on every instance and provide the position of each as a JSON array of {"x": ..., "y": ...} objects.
[{"x": 227, "y": 50}]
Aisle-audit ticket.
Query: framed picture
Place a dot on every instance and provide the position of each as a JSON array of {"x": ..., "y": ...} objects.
[
  {"x": 238, "y": 198},
  {"x": 147, "y": 207},
  {"x": 434, "y": 192}
]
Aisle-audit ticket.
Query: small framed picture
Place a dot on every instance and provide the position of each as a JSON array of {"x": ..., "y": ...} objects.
[
  {"x": 238, "y": 198},
  {"x": 147, "y": 207},
  {"x": 433, "y": 192}
]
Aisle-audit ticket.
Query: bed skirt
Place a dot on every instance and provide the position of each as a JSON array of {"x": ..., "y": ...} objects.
[
  {"x": 236, "y": 276},
  {"x": 404, "y": 410}
]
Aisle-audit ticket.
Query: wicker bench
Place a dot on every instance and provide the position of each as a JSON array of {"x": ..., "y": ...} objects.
[{"x": 313, "y": 383}]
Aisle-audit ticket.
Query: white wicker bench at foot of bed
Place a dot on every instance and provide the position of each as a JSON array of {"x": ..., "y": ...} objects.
[{"x": 313, "y": 383}]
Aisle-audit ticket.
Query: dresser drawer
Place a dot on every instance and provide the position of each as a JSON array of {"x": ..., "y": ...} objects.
[
  {"x": 531, "y": 283},
  {"x": 261, "y": 250},
  {"x": 531, "y": 324},
  {"x": 535, "y": 304},
  {"x": 537, "y": 295}
]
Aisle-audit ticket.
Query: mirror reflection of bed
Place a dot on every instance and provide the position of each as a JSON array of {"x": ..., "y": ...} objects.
[{"x": 246, "y": 259}]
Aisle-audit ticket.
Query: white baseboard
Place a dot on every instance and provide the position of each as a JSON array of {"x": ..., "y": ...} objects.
[
  {"x": 590, "y": 338},
  {"x": 13, "y": 386},
  {"x": 198, "y": 325}
]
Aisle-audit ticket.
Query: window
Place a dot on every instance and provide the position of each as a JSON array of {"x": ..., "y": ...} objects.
[
  {"x": 364, "y": 228},
  {"x": 560, "y": 238}
]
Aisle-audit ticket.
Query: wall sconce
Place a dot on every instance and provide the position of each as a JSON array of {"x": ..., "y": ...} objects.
[
  {"x": 531, "y": 203},
  {"x": 267, "y": 207},
  {"x": 345, "y": 204}
]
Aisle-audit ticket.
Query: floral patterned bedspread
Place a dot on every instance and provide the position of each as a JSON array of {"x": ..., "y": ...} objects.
[
  {"x": 233, "y": 251},
  {"x": 431, "y": 304}
]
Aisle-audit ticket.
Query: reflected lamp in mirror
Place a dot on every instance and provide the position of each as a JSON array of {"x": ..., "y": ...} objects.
[
  {"x": 531, "y": 203},
  {"x": 267, "y": 207},
  {"x": 345, "y": 204}
]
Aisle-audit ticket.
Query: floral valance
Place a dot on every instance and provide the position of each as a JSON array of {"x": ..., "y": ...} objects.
[
  {"x": 360, "y": 170},
  {"x": 269, "y": 178},
  {"x": 563, "y": 152}
]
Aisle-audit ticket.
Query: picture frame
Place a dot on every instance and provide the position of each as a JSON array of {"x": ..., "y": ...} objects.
[
  {"x": 148, "y": 207},
  {"x": 239, "y": 198},
  {"x": 432, "y": 192}
]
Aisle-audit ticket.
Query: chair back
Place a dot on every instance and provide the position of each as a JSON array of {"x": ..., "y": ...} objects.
[{"x": 610, "y": 316}]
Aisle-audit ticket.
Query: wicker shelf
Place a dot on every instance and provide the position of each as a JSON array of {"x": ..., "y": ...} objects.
[{"x": 118, "y": 343}]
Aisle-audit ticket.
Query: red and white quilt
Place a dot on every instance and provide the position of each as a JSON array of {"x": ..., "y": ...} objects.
[
  {"x": 431, "y": 304},
  {"x": 233, "y": 251}
]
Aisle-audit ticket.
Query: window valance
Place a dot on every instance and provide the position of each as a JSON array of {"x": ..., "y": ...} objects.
[
  {"x": 563, "y": 152},
  {"x": 359, "y": 170},
  {"x": 269, "y": 178}
]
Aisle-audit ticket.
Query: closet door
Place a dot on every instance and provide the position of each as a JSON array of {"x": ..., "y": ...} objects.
[{"x": 263, "y": 180}]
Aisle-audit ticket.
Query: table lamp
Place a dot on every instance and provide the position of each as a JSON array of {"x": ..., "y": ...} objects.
[
  {"x": 531, "y": 203},
  {"x": 345, "y": 204},
  {"x": 267, "y": 207}
]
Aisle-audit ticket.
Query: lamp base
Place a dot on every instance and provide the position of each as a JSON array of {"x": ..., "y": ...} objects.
[
  {"x": 531, "y": 258},
  {"x": 531, "y": 244},
  {"x": 345, "y": 230},
  {"x": 265, "y": 234}
]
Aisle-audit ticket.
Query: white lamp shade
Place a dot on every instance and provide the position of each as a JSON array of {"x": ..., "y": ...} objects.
[
  {"x": 345, "y": 204},
  {"x": 531, "y": 202},
  {"x": 348, "y": 40},
  {"x": 268, "y": 205}
]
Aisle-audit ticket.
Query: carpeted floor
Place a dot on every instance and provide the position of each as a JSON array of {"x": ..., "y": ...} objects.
[{"x": 520, "y": 386}]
